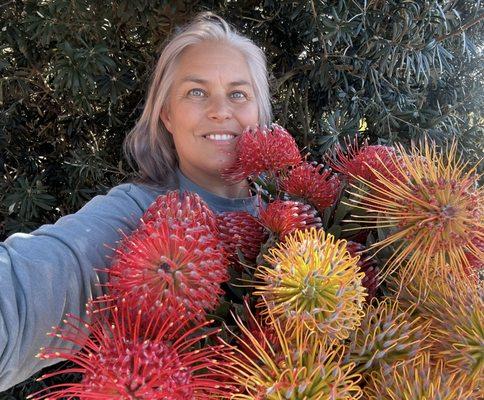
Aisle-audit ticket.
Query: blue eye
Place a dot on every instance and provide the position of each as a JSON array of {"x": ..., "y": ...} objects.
[
  {"x": 196, "y": 92},
  {"x": 243, "y": 95}
]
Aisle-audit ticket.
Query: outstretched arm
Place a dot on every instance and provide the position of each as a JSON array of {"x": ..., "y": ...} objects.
[{"x": 51, "y": 272}]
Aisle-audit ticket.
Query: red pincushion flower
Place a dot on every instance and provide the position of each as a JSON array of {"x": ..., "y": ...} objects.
[
  {"x": 371, "y": 280},
  {"x": 120, "y": 360},
  {"x": 284, "y": 217},
  {"x": 307, "y": 181},
  {"x": 163, "y": 261},
  {"x": 263, "y": 150},
  {"x": 240, "y": 230},
  {"x": 180, "y": 207},
  {"x": 476, "y": 264},
  {"x": 359, "y": 162}
]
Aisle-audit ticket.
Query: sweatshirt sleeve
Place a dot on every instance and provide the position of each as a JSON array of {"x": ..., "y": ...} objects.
[{"x": 51, "y": 272}]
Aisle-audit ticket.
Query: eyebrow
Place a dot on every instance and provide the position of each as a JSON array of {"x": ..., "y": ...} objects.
[{"x": 196, "y": 79}]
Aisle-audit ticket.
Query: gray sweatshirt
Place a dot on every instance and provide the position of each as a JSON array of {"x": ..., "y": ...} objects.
[{"x": 51, "y": 271}]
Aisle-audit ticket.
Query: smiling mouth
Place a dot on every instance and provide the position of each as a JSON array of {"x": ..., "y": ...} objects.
[{"x": 220, "y": 137}]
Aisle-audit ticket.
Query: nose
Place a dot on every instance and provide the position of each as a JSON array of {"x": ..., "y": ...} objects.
[{"x": 219, "y": 108}]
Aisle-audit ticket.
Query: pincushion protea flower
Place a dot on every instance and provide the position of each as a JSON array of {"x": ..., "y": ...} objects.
[
  {"x": 301, "y": 368},
  {"x": 368, "y": 266},
  {"x": 385, "y": 336},
  {"x": 263, "y": 150},
  {"x": 119, "y": 360},
  {"x": 240, "y": 230},
  {"x": 313, "y": 279},
  {"x": 282, "y": 218},
  {"x": 419, "y": 380},
  {"x": 435, "y": 212},
  {"x": 362, "y": 162},
  {"x": 475, "y": 264},
  {"x": 454, "y": 307},
  {"x": 163, "y": 261},
  {"x": 180, "y": 207},
  {"x": 264, "y": 333},
  {"x": 306, "y": 181}
]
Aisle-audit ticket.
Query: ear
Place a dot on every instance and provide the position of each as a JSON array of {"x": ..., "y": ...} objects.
[{"x": 165, "y": 118}]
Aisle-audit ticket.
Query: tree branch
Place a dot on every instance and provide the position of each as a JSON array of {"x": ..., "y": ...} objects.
[{"x": 463, "y": 28}]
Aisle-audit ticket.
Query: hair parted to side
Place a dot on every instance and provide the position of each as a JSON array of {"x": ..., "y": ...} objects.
[{"x": 149, "y": 143}]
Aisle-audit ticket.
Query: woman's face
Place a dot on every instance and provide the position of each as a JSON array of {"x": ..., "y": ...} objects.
[{"x": 211, "y": 102}]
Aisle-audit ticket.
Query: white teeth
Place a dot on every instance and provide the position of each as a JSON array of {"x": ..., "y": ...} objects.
[{"x": 220, "y": 136}]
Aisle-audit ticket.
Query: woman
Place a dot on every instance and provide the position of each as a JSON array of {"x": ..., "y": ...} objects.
[{"x": 210, "y": 83}]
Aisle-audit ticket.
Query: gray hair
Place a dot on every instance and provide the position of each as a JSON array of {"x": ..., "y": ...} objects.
[{"x": 149, "y": 143}]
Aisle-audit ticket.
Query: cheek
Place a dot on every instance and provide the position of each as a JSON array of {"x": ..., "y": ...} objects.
[{"x": 249, "y": 115}]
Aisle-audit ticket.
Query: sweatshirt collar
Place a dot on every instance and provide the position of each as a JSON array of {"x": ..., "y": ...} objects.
[{"x": 217, "y": 203}]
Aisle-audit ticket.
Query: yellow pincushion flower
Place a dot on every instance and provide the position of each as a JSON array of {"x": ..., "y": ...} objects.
[
  {"x": 387, "y": 335},
  {"x": 454, "y": 307},
  {"x": 312, "y": 278},
  {"x": 419, "y": 380},
  {"x": 293, "y": 364}
]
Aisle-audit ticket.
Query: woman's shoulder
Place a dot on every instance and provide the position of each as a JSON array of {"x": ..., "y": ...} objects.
[{"x": 142, "y": 193}]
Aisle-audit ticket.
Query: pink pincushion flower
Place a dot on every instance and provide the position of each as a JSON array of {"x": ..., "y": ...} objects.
[
  {"x": 177, "y": 264},
  {"x": 284, "y": 217},
  {"x": 361, "y": 161},
  {"x": 240, "y": 230},
  {"x": 263, "y": 150},
  {"x": 306, "y": 181},
  {"x": 121, "y": 359}
]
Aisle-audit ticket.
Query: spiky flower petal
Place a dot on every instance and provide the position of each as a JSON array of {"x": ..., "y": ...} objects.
[
  {"x": 419, "y": 380},
  {"x": 385, "y": 336},
  {"x": 362, "y": 162},
  {"x": 368, "y": 266},
  {"x": 454, "y": 307},
  {"x": 263, "y": 150},
  {"x": 311, "y": 277},
  {"x": 163, "y": 261},
  {"x": 309, "y": 182},
  {"x": 121, "y": 361},
  {"x": 435, "y": 212},
  {"x": 282, "y": 218},
  {"x": 238, "y": 230},
  {"x": 301, "y": 368}
]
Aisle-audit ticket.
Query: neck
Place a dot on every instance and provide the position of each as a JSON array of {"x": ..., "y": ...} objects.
[{"x": 218, "y": 186}]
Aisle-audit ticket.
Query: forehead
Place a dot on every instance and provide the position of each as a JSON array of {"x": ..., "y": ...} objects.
[{"x": 209, "y": 60}]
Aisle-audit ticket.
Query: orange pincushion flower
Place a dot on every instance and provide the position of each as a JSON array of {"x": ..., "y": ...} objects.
[
  {"x": 306, "y": 181},
  {"x": 120, "y": 360},
  {"x": 435, "y": 212},
  {"x": 263, "y": 150},
  {"x": 240, "y": 230},
  {"x": 284, "y": 217},
  {"x": 163, "y": 261}
]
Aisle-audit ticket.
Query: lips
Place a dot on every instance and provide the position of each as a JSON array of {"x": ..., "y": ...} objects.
[{"x": 221, "y": 136}]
